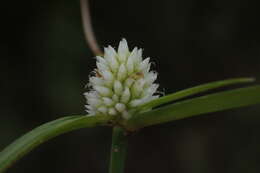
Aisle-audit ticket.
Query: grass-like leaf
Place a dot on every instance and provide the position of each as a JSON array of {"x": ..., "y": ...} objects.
[
  {"x": 193, "y": 107},
  {"x": 41, "y": 134},
  {"x": 195, "y": 90}
]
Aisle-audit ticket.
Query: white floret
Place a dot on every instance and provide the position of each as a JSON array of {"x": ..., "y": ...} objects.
[{"x": 122, "y": 82}]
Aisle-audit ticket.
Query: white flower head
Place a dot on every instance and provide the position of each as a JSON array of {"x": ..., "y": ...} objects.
[{"x": 122, "y": 82}]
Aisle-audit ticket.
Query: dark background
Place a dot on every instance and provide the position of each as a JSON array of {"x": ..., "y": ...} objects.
[{"x": 46, "y": 62}]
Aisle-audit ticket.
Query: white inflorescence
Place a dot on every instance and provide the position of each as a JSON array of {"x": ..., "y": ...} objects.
[{"x": 122, "y": 82}]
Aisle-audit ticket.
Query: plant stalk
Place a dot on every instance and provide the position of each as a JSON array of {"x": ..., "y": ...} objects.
[
  {"x": 118, "y": 150},
  {"x": 88, "y": 29}
]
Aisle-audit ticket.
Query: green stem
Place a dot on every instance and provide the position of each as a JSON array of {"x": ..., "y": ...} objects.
[{"x": 118, "y": 150}]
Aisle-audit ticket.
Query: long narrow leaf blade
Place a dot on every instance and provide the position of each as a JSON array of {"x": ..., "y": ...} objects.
[
  {"x": 41, "y": 134},
  {"x": 195, "y": 90},
  {"x": 197, "y": 106}
]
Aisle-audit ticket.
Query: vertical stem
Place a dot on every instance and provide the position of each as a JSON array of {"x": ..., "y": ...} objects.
[
  {"x": 87, "y": 27},
  {"x": 118, "y": 150}
]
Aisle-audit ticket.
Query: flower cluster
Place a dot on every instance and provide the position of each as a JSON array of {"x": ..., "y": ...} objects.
[{"x": 121, "y": 82}]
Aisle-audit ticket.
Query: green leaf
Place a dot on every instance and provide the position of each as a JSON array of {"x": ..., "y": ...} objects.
[
  {"x": 43, "y": 133},
  {"x": 196, "y": 106},
  {"x": 194, "y": 90}
]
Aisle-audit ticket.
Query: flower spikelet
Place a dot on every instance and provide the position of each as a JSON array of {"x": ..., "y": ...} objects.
[{"x": 121, "y": 82}]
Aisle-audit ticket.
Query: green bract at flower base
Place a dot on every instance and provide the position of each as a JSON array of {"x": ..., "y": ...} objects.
[
  {"x": 106, "y": 110},
  {"x": 196, "y": 106}
]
